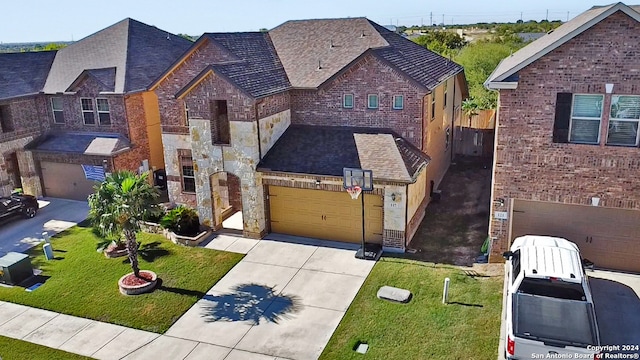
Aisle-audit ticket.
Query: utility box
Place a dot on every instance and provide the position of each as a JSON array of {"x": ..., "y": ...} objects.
[{"x": 15, "y": 268}]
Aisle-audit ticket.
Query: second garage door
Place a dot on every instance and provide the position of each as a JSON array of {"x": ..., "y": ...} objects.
[
  {"x": 66, "y": 181},
  {"x": 324, "y": 214},
  {"x": 607, "y": 236}
]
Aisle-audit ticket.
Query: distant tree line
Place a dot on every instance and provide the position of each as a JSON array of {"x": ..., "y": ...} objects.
[
  {"x": 481, "y": 57},
  {"x": 10, "y": 48}
]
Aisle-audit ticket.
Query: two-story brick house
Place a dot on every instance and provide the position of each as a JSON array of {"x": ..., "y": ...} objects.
[
  {"x": 264, "y": 122},
  {"x": 83, "y": 109},
  {"x": 567, "y": 161}
]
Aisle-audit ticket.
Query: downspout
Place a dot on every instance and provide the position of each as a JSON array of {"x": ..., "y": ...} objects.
[
  {"x": 259, "y": 101},
  {"x": 453, "y": 119},
  {"x": 406, "y": 216}
]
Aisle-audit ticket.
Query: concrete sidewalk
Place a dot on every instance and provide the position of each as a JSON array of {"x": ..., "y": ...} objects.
[{"x": 284, "y": 300}]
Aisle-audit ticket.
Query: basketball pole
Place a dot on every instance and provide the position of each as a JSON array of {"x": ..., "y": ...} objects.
[{"x": 364, "y": 252}]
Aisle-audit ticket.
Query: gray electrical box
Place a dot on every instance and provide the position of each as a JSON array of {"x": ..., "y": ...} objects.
[{"x": 15, "y": 268}]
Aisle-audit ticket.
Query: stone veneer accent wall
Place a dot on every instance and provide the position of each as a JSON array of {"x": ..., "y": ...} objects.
[{"x": 28, "y": 174}]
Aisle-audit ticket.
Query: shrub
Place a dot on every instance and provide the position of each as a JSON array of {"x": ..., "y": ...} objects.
[{"x": 182, "y": 220}]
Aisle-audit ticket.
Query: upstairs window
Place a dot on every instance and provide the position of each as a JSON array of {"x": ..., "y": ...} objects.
[
  {"x": 398, "y": 102},
  {"x": 6, "y": 122},
  {"x": 58, "y": 112},
  {"x": 586, "y": 116},
  {"x": 623, "y": 120},
  {"x": 444, "y": 101},
  {"x": 103, "y": 112},
  {"x": 88, "y": 111},
  {"x": 188, "y": 175},
  {"x": 347, "y": 101},
  {"x": 372, "y": 101},
  {"x": 433, "y": 106}
]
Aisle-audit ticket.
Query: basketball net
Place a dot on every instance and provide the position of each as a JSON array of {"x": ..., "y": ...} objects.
[{"x": 354, "y": 191}]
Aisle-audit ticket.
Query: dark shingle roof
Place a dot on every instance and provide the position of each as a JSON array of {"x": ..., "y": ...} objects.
[
  {"x": 150, "y": 52},
  {"x": 335, "y": 43},
  {"x": 422, "y": 65},
  {"x": 326, "y": 150},
  {"x": 106, "y": 78},
  {"x": 80, "y": 143},
  {"x": 138, "y": 52},
  {"x": 24, "y": 73},
  {"x": 258, "y": 70}
]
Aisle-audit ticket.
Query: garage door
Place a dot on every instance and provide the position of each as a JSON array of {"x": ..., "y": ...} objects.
[
  {"x": 65, "y": 181},
  {"x": 609, "y": 237},
  {"x": 324, "y": 214}
]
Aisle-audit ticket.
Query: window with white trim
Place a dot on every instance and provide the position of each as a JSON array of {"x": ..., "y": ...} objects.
[
  {"x": 103, "y": 111},
  {"x": 347, "y": 101},
  {"x": 58, "y": 110},
  {"x": 623, "y": 120},
  {"x": 586, "y": 117},
  {"x": 188, "y": 174},
  {"x": 398, "y": 102},
  {"x": 88, "y": 111},
  {"x": 372, "y": 101}
]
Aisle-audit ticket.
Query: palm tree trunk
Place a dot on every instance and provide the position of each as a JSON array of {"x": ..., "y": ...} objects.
[{"x": 132, "y": 251}]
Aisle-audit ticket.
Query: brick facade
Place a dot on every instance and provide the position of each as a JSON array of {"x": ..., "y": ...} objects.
[
  {"x": 136, "y": 120},
  {"x": 367, "y": 76},
  {"x": 529, "y": 165}
]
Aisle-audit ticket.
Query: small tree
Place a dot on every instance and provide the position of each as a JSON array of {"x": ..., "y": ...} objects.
[
  {"x": 470, "y": 109},
  {"x": 120, "y": 202}
]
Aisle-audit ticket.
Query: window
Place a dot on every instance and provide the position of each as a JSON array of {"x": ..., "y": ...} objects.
[
  {"x": 515, "y": 263},
  {"x": 433, "y": 106},
  {"x": 372, "y": 101},
  {"x": 447, "y": 139},
  {"x": 444, "y": 101},
  {"x": 623, "y": 122},
  {"x": 58, "y": 112},
  {"x": 103, "y": 111},
  {"x": 186, "y": 114},
  {"x": 586, "y": 113},
  {"x": 5, "y": 119},
  {"x": 398, "y": 102},
  {"x": 87, "y": 111},
  {"x": 347, "y": 101},
  {"x": 188, "y": 175}
]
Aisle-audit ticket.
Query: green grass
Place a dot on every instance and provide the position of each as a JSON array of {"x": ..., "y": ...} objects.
[
  {"x": 12, "y": 349},
  {"x": 424, "y": 328},
  {"x": 83, "y": 282}
]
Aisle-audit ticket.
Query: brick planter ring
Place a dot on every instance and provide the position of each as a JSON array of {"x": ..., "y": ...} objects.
[{"x": 137, "y": 289}]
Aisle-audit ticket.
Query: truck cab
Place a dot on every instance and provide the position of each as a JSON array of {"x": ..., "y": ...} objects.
[{"x": 549, "y": 309}]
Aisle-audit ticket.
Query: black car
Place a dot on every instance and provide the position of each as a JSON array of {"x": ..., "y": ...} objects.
[{"x": 25, "y": 205}]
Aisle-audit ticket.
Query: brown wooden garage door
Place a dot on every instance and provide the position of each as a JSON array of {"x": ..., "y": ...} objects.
[
  {"x": 609, "y": 237},
  {"x": 324, "y": 214},
  {"x": 66, "y": 181}
]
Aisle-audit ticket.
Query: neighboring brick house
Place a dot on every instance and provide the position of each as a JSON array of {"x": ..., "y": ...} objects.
[
  {"x": 87, "y": 104},
  {"x": 265, "y": 122},
  {"x": 567, "y": 161}
]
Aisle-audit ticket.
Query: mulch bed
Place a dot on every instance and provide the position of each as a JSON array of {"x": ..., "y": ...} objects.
[{"x": 132, "y": 280}]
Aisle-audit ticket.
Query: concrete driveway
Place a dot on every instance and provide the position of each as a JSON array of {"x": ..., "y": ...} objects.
[
  {"x": 284, "y": 300},
  {"x": 55, "y": 215}
]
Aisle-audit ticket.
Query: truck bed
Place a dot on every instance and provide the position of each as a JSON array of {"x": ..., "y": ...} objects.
[{"x": 554, "y": 321}]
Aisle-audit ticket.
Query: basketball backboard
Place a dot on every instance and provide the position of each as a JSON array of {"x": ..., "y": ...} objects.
[{"x": 358, "y": 177}]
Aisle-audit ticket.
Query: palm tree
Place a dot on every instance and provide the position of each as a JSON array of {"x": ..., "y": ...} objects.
[
  {"x": 470, "y": 109},
  {"x": 118, "y": 206}
]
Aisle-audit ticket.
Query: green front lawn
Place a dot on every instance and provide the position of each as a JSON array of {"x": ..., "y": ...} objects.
[
  {"x": 83, "y": 282},
  {"x": 467, "y": 328},
  {"x": 12, "y": 349}
]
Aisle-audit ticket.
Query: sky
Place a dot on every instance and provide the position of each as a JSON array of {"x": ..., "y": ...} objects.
[{"x": 67, "y": 20}]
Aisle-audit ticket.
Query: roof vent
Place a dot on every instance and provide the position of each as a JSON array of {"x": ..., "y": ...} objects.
[
  {"x": 319, "y": 65},
  {"x": 362, "y": 35},
  {"x": 331, "y": 44},
  {"x": 168, "y": 36},
  {"x": 534, "y": 271}
]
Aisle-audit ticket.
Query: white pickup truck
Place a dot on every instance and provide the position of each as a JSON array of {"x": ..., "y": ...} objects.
[{"x": 549, "y": 308}]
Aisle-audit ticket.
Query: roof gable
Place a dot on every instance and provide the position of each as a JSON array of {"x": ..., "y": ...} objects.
[
  {"x": 138, "y": 52},
  {"x": 508, "y": 67},
  {"x": 105, "y": 79},
  {"x": 24, "y": 73}
]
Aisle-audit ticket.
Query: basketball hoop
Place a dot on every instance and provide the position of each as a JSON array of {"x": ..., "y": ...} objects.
[{"x": 354, "y": 191}]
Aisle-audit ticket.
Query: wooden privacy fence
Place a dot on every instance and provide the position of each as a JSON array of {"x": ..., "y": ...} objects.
[{"x": 475, "y": 136}]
